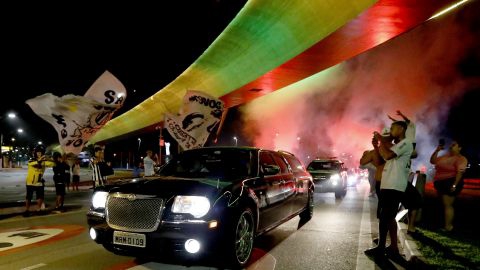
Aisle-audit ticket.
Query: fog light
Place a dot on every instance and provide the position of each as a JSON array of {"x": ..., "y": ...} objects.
[
  {"x": 192, "y": 245},
  {"x": 212, "y": 224},
  {"x": 93, "y": 234}
]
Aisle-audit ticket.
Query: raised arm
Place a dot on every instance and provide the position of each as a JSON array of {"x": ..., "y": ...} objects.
[
  {"x": 377, "y": 159},
  {"x": 433, "y": 158},
  {"x": 366, "y": 158},
  {"x": 391, "y": 118},
  {"x": 403, "y": 116}
]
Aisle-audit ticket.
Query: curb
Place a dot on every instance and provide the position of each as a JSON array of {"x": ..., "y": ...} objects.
[
  {"x": 12, "y": 204},
  {"x": 410, "y": 248}
]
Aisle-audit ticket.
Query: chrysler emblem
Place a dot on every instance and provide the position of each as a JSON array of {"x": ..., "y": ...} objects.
[{"x": 131, "y": 197}]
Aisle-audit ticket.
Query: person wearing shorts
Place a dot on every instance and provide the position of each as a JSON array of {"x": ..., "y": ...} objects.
[
  {"x": 34, "y": 179},
  {"x": 76, "y": 175},
  {"x": 448, "y": 178},
  {"x": 60, "y": 173}
]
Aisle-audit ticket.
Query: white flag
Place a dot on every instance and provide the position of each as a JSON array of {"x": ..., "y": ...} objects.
[
  {"x": 200, "y": 114},
  {"x": 77, "y": 118}
]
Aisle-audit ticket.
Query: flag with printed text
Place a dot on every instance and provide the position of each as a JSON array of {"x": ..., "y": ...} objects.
[
  {"x": 77, "y": 118},
  {"x": 198, "y": 117}
]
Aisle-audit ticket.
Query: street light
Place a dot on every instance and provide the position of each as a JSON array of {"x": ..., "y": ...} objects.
[
  {"x": 236, "y": 140},
  {"x": 10, "y": 115}
]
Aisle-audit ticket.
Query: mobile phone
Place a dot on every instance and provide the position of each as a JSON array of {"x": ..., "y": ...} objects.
[{"x": 441, "y": 142}]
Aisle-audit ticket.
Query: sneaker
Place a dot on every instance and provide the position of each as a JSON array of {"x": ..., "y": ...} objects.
[
  {"x": 394, "y": 254},
  {"x": 376, "y": 252}
]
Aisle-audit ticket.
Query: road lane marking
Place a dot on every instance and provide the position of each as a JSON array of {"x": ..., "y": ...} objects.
[
  {"x": 34, "y": 266},
  {"x": 14, "y": 240}
]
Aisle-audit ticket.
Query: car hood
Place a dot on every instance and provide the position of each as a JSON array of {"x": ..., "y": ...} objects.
[{"x": 170, "y": 186}]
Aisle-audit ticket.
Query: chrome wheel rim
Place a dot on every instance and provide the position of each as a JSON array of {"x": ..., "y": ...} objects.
[{"x": 244, "y": 237}]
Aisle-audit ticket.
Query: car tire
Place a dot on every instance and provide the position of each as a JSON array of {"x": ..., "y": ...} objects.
[
  {"x": 307, "y": 213},
  {"x": 240, "y": 240},
  {"x": 340, "y": 193}
]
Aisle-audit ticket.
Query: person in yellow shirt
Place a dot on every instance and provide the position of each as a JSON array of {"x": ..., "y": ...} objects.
[{"x": 34, "y": 180}]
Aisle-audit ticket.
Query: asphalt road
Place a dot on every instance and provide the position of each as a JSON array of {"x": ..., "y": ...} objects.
[{"x": 335, "y": 238}]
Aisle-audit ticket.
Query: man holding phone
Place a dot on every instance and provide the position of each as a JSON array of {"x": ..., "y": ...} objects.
[{"x": 392, "y": 187}]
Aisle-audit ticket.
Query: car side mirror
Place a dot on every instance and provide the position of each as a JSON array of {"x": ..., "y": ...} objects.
[{"x": 270, "y": 169}]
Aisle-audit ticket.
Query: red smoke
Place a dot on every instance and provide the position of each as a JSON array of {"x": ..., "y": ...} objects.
[{"x": 416, "y": 73}]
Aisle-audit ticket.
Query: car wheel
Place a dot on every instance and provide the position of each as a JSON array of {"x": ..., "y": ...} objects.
[
  {"x": 307, "y": 213},
  {"x": 340, "y": 194},
  {"x": 242, "y": 240}
]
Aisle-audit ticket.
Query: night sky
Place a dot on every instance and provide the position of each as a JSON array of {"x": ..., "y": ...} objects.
[{"x": 64, "y": 51}]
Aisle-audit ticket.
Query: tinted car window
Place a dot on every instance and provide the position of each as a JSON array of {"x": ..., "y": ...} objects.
[
  {"x": 222, "y": 164},
  {"x": 323, "y": 165},
  {"x": 295, "y": 164},
  {"x": 266, "y": 159},
  {"x": 281, "y": 163}
]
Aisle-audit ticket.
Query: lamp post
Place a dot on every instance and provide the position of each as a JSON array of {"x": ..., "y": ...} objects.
[
  {"x": 236, "y": 140},
  {"x": 10, "y": 115},
  {"x": 161, "y": 142}
]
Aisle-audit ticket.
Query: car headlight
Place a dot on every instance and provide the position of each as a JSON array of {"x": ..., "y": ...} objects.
[
  {"x": 335, "y": 177},
  {"x": 99, "y": 199},
  {"x": 197, "y": 206}
]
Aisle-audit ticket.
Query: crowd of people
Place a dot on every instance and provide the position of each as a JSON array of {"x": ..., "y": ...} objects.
[
  {"x": 390, "y": 178},
  {"x": 66, "y": 174}
]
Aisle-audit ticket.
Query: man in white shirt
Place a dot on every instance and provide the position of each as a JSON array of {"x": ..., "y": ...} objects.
[
  {"x": 393, "y": 185},
  {"x": 149, "y": 164}
]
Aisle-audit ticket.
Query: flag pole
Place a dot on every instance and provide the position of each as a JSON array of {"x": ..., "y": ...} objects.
[{"x": 224, "y": 115}]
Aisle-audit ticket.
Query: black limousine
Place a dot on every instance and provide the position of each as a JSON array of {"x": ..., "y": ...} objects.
[{"x": 204, "y": 202}]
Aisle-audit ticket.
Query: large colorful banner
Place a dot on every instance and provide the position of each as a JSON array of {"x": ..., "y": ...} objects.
[
  {"x": 77, "y": 118},
  {"x": 200, "y": 114}
]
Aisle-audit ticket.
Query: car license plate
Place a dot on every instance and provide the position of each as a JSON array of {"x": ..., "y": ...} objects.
[{"x": 129, "y": 239}]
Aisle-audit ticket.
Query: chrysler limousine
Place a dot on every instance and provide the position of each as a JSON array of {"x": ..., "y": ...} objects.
[{"x": 205, "y": 203}]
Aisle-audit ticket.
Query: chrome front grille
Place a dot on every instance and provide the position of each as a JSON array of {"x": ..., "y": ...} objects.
[{"x": 133, "y": 212}]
